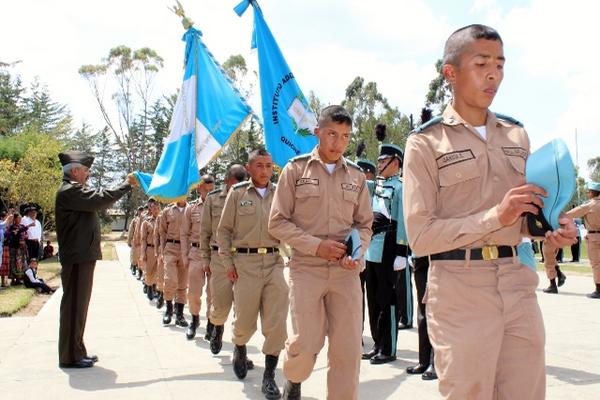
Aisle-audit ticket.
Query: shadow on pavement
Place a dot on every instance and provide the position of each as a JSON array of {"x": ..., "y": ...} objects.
[{"x": 573, "y": 376}]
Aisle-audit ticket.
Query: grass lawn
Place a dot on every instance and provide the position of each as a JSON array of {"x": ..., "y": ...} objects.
[{"x": 567, "y": 266}]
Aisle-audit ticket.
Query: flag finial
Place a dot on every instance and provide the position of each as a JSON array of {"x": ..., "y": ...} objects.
[{"x": 179, "y": 11}]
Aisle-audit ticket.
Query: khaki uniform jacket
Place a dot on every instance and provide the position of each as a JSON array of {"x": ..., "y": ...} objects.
[
  {"x": 211, "y": 215},
  {"x": 77, "y": 222},
  {"x": 590, "y": 211},
  {"x": 157, "y": 238},
  {"x": 311, "y": 205},
  {"x": 131, "y": 231},
  {"x": 137, "y": 235},
  {"x": 191, "y": 227},
  {"x": 170, "y": 224},
  {"x": 454, "y": 181},
  {"x": 147, "y": 233},
  {"x": 244, "y": 220}
]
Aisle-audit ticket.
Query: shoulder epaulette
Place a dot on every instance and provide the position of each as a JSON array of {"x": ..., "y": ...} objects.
[
  {"x": 217, "y": 190},
  {"x": 431, "y": 122},
  {"x": 352, "y": 164},
  {"x": 241, "y": 185},
  {"x": 508, "y": 119},
  {"x": 300, "y": 157}
]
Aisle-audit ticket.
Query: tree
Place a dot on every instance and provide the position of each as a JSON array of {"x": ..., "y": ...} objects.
[
  {"x": 440, "y": 91},
  {"x": 594, "y": 165},
  {"x": 13, "y": 112},
  {"x": 45, "y": 115}
]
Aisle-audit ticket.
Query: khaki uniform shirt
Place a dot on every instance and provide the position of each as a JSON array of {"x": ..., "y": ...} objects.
[
  {"x": 170, "y": 224},
  {"x": 311, "y": 205},
  {"x": 454, "y": 180},
  {"x": 157, "y": 238},
  {"x": 147, "y": 233},
  {"x": 137, "y": 235},
  {"x": 131, "y": 231},
  {"x": 191, "y": 227},
  {"x": 211, "y": 215},
  {"x": 244, "y": 220},
  {"x": 590, "y": 211}
]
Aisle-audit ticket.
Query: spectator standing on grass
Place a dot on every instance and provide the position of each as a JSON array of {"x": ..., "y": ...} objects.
[
  {"x": 34, "y": 232},
  {"x": 16, "y": 235},
  {"x": 5, "y": 221}
]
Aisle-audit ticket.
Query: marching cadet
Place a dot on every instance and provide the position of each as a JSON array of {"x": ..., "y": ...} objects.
[
  {"x": 464, "y": 196},
  {"x": 254, "y": 265},
  {"x": 220, "y": 286},
  {"x": 319, "y": 199},
  {"x": 590, "y": 212},
  {"x": 176, "y": 273},
  {"x": 160, "y": 260},
  {"x": 134, "y": 256},
  {"x": 553, "y": 271},
  {"x": 190, "y": 252},
  {"x": 148, "y": 256},
  {"x": 137, "y": 242},
  {"x": 386, "y": 258}
]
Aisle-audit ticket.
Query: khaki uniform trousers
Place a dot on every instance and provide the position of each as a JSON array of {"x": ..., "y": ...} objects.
[
  {"x": 134, "y": 255},
  {"x": 593, "y": 248},
  {"x": 138, "y": 252},
  {"x": 486, "y": 329},
  {"x": 176, "y": 274},
  {"x": 260, "y": 289},
  {"x": 160, "y": 274},
  {"x": 197, "y": 278},
  {"x": 150, "y": 275},
  {"x": 325, "y": 301},
  {"x": 221, "y": 289},
  {"x": 550, "y": 261}
]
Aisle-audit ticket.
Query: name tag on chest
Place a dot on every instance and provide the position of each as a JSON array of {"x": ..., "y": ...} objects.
[{"x": 454, "y": 157}]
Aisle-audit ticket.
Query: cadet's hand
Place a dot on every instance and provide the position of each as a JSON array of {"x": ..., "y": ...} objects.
[
  {"x": 331, "y": 250},
  {"x": 232, "y": 274},
  {"x": 348, "y": 263},
  {"x": 131, "y": 180},
  {"x": 519, "y": 200},
  {"x": 206, "y": 268},
  {"x": 566, "y": 235}
]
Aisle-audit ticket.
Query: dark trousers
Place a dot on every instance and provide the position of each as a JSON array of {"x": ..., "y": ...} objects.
[
  {"x": 77, "y": 280},
  {"x": 381, "y": 287},
  {"x": 363, "y": 283},
  {"x": 33, "y": 249},
  {"x": 421, "y": 270},
  {"x": 575, "y": 250},
  {"x": 405, "y": 296},
  {"x": 34, "y": 285}
]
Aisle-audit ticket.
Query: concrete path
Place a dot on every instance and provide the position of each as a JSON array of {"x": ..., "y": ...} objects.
[{"x": 141, "y": 359}]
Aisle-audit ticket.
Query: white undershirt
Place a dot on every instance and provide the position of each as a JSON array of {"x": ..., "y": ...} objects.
[
  {"x": 482, "y": 131},
  {"x": 330, "y": 168},
  {"x": 181, "y": 209},
  {"x": 262, "y": 191}
]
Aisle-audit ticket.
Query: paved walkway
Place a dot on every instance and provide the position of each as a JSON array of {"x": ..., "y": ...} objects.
[{"x": 141, "y": 359}]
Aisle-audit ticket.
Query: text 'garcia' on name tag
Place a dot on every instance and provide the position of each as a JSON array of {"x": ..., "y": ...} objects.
[
  {"x": 454, "y": 157},
  {"x": 307, "y": 181}
]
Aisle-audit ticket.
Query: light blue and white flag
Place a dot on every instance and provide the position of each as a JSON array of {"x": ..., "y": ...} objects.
[
  {"x": 208, "y": 112},
  {"x": 288, "y": 121}
]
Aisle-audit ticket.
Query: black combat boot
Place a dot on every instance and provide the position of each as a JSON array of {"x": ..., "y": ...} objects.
[
  {"x": 190, "y": 332},
  {"x": 209, "y": 330},
  {"x": 291, "y": 391},
  {"x": 561, "y": 276},
  {"x": 150, "y": 292},
  {"x": 155, "y": 291},
  {"x": 180, "y": 319},
  {"x": 145, "y": 289},
  {"x": 168, "y": 313},
  {"x": 160, "y": 301},
  {"x": 240, "y": 364},
  {"x": 139, "y": 276},
  {"x": 133, "y": 270},
  {"x": 269, "y": 387},
  {"x": 216, "y": 341},
  {"x": 552, "y": 288},
  {"x": 595, "y": 294}
]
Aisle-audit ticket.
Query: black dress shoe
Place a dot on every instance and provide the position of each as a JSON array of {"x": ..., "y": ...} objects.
[
  {"x": 83, "y": 363},
  {"x": 371, "y": 354},
  {"x": 594, "y": 295},
  {"x": 402, "y": 326},
  {"x": 551, "y": 289},
  {"x": 417, "y": 369},
  {"x": 92, "y": 358},
  {"x": 382, "y": 359},
  {"x": 430, "y": 374}
]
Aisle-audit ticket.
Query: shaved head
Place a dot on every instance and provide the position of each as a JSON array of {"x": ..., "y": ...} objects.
[{"x": 463, "y": 38}]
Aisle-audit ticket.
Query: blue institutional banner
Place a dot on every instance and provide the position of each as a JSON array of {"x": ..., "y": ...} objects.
[
  {"x": 287, "y": 118},
  {"x": 208, "y": 112}
]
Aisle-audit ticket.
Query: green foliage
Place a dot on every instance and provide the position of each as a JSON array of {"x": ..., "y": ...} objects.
[
  {"x": 440, "y": 91},
  {"x": 594, "y": 165}
]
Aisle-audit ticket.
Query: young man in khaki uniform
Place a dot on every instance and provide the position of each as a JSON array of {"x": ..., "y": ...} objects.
[
  {"x": 148, "y": 250},
  {"x": 176, "y": 272},
  {"x": 464, "y": 197},
  {"x": 137, "y": 245},
  {"x": 160, "y": 260},
  {"x": 319, "y": 199},
  {"x": 134, "y": 256},
  {"x": 190, "y": 252},
  {"x": 255, "y": 267},
  {"x": 220, "y": 286}
]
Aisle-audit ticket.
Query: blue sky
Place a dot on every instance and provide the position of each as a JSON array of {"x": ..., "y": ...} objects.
[{"x": 551, "y": 82}]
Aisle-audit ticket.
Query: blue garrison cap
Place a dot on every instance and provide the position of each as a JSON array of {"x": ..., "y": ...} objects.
[
  {"x": 367, "y": 166},
  {"x": 390, "y": 150},
  {"x": 550, "y": 167},
  {"x": 353, "y": 244},
  {"x": 595, "y": 186}
]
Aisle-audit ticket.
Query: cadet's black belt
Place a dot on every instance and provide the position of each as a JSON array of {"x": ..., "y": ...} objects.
[
  {"x": 593, "y": 231},
  {"x": 484, "y": 253},
  {"x": 173, "y": 241},
  {"x": 195, "y": 244},
  {"x": 215, "y": 248},
  {"x": 256, "y": 250}
]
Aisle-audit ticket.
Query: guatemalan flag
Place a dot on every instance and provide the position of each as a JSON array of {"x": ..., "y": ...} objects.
[
  {"x": 208, "y": 112},
  {"x": 288, "y": 121}
]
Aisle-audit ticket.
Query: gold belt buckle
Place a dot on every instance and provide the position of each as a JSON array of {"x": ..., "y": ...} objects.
[
  {"x": 489, "y": 253},
  {"x": 262, "y": 250}
]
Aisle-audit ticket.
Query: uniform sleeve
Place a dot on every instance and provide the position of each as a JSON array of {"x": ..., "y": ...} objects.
[
  {"x": 162, "y": 231},
  {"x": 77, "y": 198},
  {"x": 580, "y": 211},
  {"x": 184, "y": 233},
  {"x": 206, "y": 231},
  {"x": 131, "y": 232},
  {"x": 137, "y": 240},
  {"x": 143, "y": 239},
  {"x": 226, "y": 226},
  {"x": 280, "y": 218},
  {"x": 428, "y": 234},
  {"x": 363, "y": 217},
  {"x": 156, "y": 229}
]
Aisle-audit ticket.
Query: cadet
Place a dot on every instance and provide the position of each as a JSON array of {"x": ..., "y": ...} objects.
[
  {"x": 220, "y": 286},
  {"x": 147, "y": 247},
  {"x": 552, "y": 269},
  {"x": 190, "y": 252},
  {"x": 134, "y": 256},
  {"x": 160, "y": 260},
  {"x": 320, "y": 197},
  {"x": 590, "y": 212},
  {"x": 464, "y": 196},
  {"x": 176, "y": 273},
  {"x": 386, "y": 257},
  {"x": 137, "y": 242},
  {"x": 254, "y": 265}
]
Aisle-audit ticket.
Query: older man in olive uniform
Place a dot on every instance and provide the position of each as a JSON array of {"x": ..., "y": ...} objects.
[
  {"x": 220, "y": 286},
  {"x": 319, "y": 199},
  {"x": 254, "y": 265},
  {"x": 464, "y": 197},
  {"x": 148, "y": 256},
  {"x": 78, "y": 235}
]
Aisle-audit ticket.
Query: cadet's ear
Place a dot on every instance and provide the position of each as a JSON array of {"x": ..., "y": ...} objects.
[
  {"x": 449, "y": 72},
  {"x": 317, "y": 132}
]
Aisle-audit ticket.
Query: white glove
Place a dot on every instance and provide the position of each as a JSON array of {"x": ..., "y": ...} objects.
[{"x": 399, "y": 263}]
